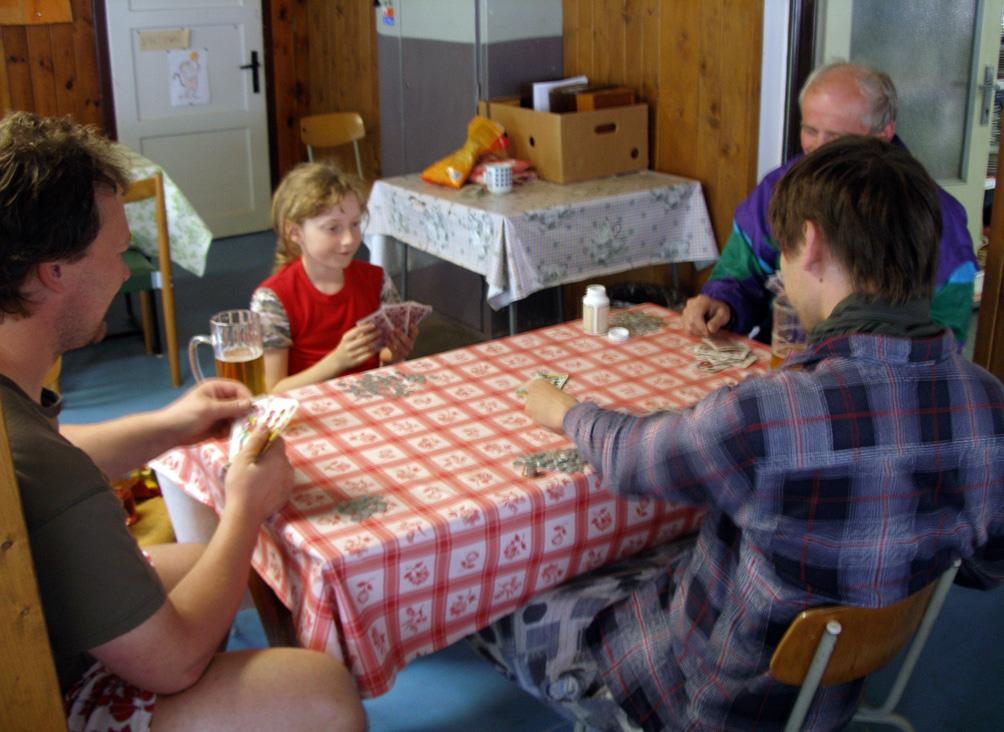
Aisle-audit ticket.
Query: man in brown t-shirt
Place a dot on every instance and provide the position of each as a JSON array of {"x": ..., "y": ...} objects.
[{"x": 123, "y": 632}]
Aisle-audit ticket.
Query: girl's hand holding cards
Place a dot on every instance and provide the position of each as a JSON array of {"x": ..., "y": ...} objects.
[{"x": 356, "y": 347}]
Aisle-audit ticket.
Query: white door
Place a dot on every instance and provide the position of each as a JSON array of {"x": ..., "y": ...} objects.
[
  {"x": 943, "y": 60},
  {"x": 185, "y": 99}
]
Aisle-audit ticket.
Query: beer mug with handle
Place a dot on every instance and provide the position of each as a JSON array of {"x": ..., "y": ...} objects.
[{"x": 238, "y": 349}]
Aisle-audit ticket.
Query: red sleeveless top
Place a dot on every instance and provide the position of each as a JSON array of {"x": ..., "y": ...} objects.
[{"x": 318, "y": 321}]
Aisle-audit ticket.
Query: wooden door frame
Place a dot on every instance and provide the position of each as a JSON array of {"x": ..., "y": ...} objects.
[
  {"x": 100, "y": 14},
  {"x": 988, "y": 351}
]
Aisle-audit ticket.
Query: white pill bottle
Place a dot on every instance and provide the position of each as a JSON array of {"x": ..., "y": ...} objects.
[{"x": 595, "y": 310}]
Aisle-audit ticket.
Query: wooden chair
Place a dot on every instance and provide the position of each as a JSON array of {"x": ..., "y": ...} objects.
[
  {"x": 828, "y": 646},
  {"x": 332, "y": 130},
  {"x": 30, "y": 691},
  {"x": 144, "y": 277}
]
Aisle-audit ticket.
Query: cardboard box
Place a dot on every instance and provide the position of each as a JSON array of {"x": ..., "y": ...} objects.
[
  {"x": 565, "y": 148},
  {"x": 614, "y": 96}
]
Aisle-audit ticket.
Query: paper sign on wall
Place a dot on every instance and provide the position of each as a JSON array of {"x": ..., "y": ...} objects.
[
  {"x": 164, "y": 40},
  {"x": 188, "y": 71}
]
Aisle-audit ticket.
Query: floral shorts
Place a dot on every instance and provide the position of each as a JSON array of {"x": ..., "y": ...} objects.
[
  {"x": 543, "y": 645},
  {"x": 100, "y": 700}
]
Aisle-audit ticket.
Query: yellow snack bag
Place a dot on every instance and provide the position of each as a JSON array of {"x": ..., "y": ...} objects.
[{"x": 483, "y": 135}]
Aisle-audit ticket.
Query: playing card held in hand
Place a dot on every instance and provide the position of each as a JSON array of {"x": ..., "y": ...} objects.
[
  {"x": 396, "y": 316},
  {"x": 274, "y": 412},
  {"x": 384, "y": 327}
]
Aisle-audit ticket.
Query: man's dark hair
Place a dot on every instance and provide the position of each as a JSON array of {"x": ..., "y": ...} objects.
[
  {"x": 875, "y": 206},
  {"x": 49, "y": 170}
]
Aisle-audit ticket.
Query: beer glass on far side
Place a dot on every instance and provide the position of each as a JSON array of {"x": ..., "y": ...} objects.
[
  {"x": 787, "y": 335},
  {"x": 238, "y": 349}
]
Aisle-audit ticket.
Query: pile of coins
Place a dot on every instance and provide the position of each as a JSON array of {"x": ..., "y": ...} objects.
[
  {"x": 637, "y": 323},
  {"x": 566, "y": 460}
]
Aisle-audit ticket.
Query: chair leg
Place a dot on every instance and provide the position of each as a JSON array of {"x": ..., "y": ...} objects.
[
  {"x": 149, "y": 321},
  {"x": 171, "y": 329},
  {"x": 167, "y": 293},
  {"x": 813, "y": 676},
  {"x": 869, "y": 715}
]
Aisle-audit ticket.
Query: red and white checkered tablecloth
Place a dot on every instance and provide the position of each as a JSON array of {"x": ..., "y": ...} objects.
[{"x": 411, "y": 527}]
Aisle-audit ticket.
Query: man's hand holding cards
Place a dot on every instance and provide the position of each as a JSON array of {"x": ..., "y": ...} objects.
[{"x": 273, "y": 412}]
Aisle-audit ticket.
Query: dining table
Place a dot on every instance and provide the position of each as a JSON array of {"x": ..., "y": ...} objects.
[
  {"x": 541, "y": 234},
  {"x": 427, "y": 504},
  {"x": 188, "y": 233}
]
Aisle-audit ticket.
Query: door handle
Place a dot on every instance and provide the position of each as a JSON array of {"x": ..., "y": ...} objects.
[
  {"x": 989, "y": 91},
  {"x": 254, "y": 70}
]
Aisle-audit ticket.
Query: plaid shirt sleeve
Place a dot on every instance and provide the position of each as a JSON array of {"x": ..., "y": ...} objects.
[{"x": 676, "y": 456}]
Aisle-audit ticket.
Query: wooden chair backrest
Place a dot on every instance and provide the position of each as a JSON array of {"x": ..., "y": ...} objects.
[
  {"x": 331, "y": 129},
  {"x": 153, "y": 187},
  {"x": 31, "y": 696},
  {"x": 869, "y": 639}
]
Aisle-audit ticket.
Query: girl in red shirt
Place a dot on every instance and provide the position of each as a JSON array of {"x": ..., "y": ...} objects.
[{"x": 317, "y": 293}]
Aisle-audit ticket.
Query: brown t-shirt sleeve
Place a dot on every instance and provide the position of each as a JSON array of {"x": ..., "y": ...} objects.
[
  {"x": 97, "y": 582},
  {"x": 94, "y": 582}
]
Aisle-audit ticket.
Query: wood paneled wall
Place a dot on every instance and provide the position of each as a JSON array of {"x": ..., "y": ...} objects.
[
  {"x": 322, "y": 54},
  {"x": 324, "y": 60},
  {"x": 696, "y": 63},
  {"x": 52, "y": 69}
]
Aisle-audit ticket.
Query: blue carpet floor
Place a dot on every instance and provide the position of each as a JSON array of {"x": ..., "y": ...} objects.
[{"x": 958, "y": 685}]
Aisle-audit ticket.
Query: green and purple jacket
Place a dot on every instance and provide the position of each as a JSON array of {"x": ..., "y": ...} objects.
[{"x": 751, "y": 255}]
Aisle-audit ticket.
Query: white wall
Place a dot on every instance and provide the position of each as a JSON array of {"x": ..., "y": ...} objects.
[{"x": 773, "y": 84}]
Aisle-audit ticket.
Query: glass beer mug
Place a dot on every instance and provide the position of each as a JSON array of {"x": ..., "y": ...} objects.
[
  {"x": 236, "y": 338},
  {"x": 787, "y": 334}
]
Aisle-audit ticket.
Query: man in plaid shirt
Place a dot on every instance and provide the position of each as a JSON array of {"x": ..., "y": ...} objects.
[{"x": 854, "y": 475}]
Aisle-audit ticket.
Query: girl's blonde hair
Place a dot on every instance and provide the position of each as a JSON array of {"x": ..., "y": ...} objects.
[{"x": 308, "y": 190}]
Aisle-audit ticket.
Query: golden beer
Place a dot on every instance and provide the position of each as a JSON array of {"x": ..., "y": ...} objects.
[
  {"x": 779, "y": 355},
  {"x": 243, "y": 364}
]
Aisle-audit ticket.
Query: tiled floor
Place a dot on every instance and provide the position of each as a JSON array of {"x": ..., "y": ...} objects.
[{"x": 958, "y": 684}]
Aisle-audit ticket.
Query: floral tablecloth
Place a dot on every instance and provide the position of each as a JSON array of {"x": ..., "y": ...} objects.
[
  {"x": 412, "y": 524},
  {"x": 544, "y": 234},
  {"x": 190, "y": 237}
]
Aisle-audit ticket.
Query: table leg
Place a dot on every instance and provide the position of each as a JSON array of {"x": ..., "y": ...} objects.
[
  {"x": 404, "y": 269},
  {"x": 275, "y": 617},
  {"x": 512, "y": 318}
]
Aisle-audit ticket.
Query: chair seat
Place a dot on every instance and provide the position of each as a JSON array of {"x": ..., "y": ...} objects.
[
  {"x": 838, "y": 644},
  {"x": 140, "y": 271}
]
